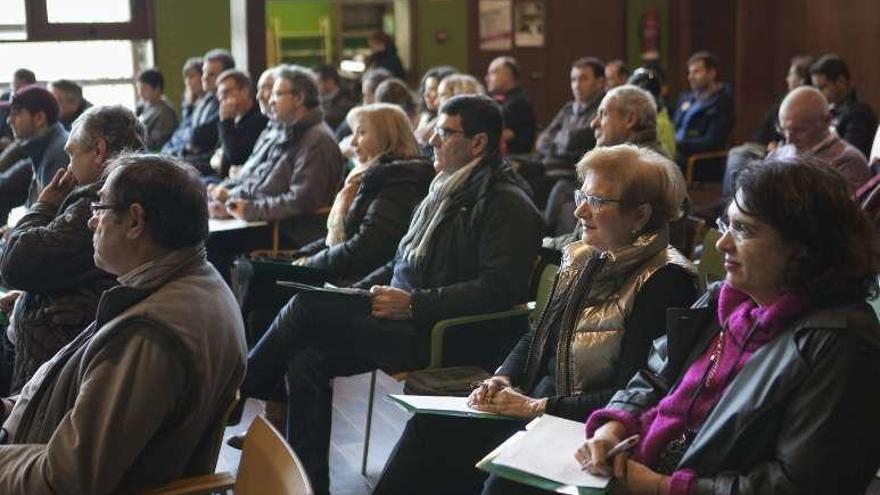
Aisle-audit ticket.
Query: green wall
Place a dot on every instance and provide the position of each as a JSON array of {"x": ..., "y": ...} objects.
[
  {"x": 451, "y": 16},
  {"x": 184, "y": 29},
  {"x": 302, "y": 15}
]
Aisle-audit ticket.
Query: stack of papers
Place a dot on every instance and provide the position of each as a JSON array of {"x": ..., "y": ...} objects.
[
  {"x": 543, "y": 457},
  {"x": 442, "y": 406}
]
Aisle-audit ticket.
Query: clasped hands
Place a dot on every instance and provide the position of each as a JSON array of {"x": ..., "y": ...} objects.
[
  {"x": 221, "y": 206},
  {"x": 496, "y": 395}
]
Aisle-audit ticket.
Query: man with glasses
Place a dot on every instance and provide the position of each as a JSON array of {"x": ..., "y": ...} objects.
[
  {"x": 298, "y": 175},
  {"x": 469, "y": 250},
  {"x": 48, "y": 258},
  {"x": 805, "y": 123},
  {"x": 197, "y": 137},
  {"x": 135, "y": 400}
]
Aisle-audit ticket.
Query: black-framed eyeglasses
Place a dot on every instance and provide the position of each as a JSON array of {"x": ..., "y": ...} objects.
[
  {"x": 594, "y": 202},
  {"x": 444, "y": 133},
  {"x": 97, "y": 208}
]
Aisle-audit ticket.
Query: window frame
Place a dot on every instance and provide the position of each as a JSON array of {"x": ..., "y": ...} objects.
[{"x": 38, "y": 27}]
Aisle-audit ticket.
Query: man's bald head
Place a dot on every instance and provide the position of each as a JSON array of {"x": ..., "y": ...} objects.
[{"x": 804, "y": 118}]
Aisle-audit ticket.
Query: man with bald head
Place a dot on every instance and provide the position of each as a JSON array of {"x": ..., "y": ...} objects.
[{"x": 805, "y": 122}]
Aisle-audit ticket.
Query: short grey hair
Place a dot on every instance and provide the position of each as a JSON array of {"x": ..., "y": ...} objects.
[
  {"x": 116, "y": 125},
  {"x": 302, "y": 81},
  {"x": 635, "y": 100}
]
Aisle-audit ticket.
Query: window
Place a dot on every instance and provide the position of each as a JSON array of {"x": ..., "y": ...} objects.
[{"x": 53, "y": 38}]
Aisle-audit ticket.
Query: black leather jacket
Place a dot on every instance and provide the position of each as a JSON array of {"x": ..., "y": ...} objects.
[
  {"x": 802, "y": 416},
  {"x": 376, "y": 220}
]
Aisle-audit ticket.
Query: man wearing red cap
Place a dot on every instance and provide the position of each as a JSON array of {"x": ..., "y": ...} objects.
[{"x": 33, "y": 116}]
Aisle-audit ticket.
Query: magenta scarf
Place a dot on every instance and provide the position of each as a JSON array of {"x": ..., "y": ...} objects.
[{"x": 688, "y": 405}]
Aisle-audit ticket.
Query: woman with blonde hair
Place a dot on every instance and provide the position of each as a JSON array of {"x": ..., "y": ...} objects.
[
  {"x": 372, "y": 210},
  {"x": 459, "y": 84}
]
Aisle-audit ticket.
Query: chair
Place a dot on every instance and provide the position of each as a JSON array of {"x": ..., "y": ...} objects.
[
  {"x": 684, "y": 234},
  {"x": 711, "y": 265},
  {"x": 701, "y": 158},
  {"x": 268, "y": 465},
  {"x": 459, "y": 334}
]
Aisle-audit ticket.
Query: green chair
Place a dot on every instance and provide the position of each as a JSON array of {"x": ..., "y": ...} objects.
[
  {"x": 711, "y": 265},
  {"x": 482, "y": 340}
]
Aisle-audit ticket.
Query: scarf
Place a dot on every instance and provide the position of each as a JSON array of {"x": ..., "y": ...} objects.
[
  {"x": 342, "y": 203},
  {"x": 427, "y": 216},
  {"x": 746, "y": 327}
]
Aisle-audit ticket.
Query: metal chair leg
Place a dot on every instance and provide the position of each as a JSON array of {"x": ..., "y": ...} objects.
[{"x": 369, "y": 423}]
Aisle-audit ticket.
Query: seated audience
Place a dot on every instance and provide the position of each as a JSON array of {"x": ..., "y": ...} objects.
[
  {"x": 767, "y": 137},
  {"x": 396, "y": 92},
  {"x": 430, "y": 102},
  {"x": 20, "y": 79},
  {"x": 502, "y": 82},
  {"x": 372, "y": 211},
  {"x": 336, "y": 101},
  {"x": 568, "y": 136},
  {"x": 134, "y": 401},
  {"x": 804, "y": 121},
  {"x": 302, "y": 169},
  {"x": 762, "y": 386},
  {"x": 197, "y": 137},
  {"x": 192, "y": 91},
  {"x": 241, "y": 121},
  {"x": 370, "y": 80},
  {"x": 854, "y": 119},
  {"x": 33, "y": 116},
  {"x": 469, "y": 249},
  {"x": 704, "y": 116},
  {"x": 458, "y": 84},
  {"x": 383, "y": 55},
  {"x": 155, "y": 111},
  {"x": 623, "y": 276},
  {"x": 48, "y": 257},
  {"x": 627, "y": 115},
  {"x": 651, "y": 81},
  {"x": 616, "y": 74},
  {"x": 71, "y": 103}
]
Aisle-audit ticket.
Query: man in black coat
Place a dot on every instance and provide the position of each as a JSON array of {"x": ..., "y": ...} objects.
[
  {"x": 502, "y": 82},
  {"x": 854, "y": 119},
  {"x": 241, "y": 121},
  {"x": 469, "y": 250}
]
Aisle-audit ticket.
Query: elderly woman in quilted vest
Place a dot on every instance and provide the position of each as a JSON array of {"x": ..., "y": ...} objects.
[
  {"x": 607, "y": 305},
  {"x": 770, "y": 383}
]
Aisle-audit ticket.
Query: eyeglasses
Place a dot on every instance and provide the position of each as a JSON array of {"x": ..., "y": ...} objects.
[
  {"x": 594, "y": 202},
  {"x": 738, "y": 230},
  {"x": 97, "y": 208},
  {"x": 444, "y": 133},
  {"x": 279, "y": 94}
]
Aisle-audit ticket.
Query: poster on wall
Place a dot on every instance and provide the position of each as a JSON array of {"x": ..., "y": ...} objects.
[
  {"x": 496, "y": 30},
  {"x": 529, "y": 22}
]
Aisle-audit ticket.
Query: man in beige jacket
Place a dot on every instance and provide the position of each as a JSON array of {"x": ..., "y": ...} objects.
[{"x": 137, "y": 399}]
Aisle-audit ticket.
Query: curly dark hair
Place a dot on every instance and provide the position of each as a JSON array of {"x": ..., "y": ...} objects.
[{"x": 810, "y": 205}]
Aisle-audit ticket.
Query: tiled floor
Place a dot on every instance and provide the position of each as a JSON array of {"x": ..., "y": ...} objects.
[{"x": 347, "y": 438}]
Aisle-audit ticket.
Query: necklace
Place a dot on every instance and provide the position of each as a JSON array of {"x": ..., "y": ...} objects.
[{"x": 715, "y": 358}]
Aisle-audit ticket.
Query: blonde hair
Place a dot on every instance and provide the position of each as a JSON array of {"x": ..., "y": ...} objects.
[
  {"x": 461, "y": 84},
  {"x": 647, "y": 177},
  {"x": 391, "y": 127}
]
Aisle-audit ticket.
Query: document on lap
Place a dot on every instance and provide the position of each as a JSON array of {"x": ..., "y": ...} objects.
[
  {"x": 327, "y": 288},
  {"x": 543, "y": 457},
  {"x": 441, "y": 406}
]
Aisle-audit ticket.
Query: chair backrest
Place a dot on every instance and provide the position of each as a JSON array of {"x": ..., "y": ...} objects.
[
  {"x": 542, "y": 296},
  {"x": 711, "y": 261},
  {"x": 269, "y": 465}
]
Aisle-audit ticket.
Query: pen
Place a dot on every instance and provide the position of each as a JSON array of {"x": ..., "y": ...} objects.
[{"x": 622, "y": 447}]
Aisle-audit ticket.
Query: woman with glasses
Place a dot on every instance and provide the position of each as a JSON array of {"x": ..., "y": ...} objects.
[
  {"x": 608, "y": 303},
  {"x": 770, "y": 383}
]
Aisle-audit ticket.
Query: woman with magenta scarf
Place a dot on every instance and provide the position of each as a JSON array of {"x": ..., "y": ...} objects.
[{"x": 770, "y": 383}]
